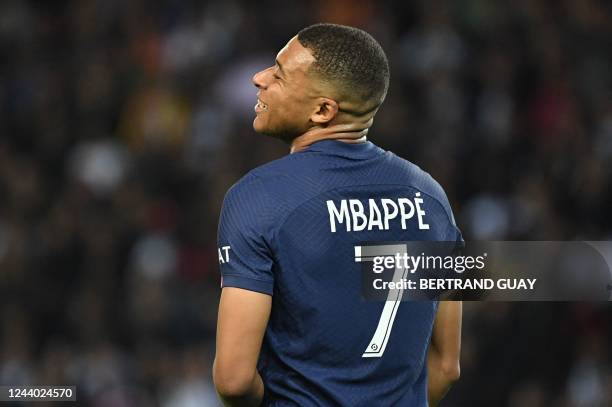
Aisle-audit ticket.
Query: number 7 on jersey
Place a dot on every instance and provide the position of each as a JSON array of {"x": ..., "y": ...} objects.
[{"x": 378, "y": 343}]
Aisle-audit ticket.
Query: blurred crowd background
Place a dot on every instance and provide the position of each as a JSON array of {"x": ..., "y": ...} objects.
[{"x": 123, "y": 123}]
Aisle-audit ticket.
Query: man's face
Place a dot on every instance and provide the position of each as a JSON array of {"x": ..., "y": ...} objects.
[{"x": 286, "y": 96}]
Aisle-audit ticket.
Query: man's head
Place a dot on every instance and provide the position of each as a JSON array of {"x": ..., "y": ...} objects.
[{"x": 327, "y": 74}]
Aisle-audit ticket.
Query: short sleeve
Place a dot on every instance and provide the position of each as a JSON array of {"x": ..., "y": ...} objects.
[{"x": 245, "y": 259}]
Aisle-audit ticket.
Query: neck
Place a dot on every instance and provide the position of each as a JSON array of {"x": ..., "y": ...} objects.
[{"x": 354, "y": 132}]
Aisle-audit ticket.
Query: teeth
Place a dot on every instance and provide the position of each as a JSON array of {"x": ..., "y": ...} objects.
[{"x": 262, "y": 104}]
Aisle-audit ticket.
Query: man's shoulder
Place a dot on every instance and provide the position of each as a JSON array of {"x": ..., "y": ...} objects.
[
  {"x": 418, "y": 178},
  {"x": 268, "y": 190},
  {"x": 266, "y": 178}
]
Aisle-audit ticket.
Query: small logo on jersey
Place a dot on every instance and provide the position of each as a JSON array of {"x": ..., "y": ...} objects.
[
  {"x": 224, "y": 254},
  {"x": 376, "y": 213}
]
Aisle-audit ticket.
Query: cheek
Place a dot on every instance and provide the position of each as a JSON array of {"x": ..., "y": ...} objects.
[
  {"x": 295, "y": 107},
  {"x": 287, "y": 110}
]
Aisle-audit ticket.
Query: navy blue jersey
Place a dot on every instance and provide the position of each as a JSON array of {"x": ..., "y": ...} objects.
[{"x": 289, "y": 229}]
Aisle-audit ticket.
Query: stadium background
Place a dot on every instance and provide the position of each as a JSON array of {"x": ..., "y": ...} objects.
[{"x": 123, "y": 123}]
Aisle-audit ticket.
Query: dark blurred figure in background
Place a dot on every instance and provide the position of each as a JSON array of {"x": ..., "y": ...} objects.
[{"x": 123, "y": 124}]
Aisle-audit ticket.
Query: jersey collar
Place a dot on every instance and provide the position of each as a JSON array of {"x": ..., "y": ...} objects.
[{"x": 357, "y": 151}]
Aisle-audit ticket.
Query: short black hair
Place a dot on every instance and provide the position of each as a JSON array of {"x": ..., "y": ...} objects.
[{"x": 349, "y": 57}]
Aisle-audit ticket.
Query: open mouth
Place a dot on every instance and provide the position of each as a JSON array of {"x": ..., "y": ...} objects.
[{"x": 260, "y": 106}]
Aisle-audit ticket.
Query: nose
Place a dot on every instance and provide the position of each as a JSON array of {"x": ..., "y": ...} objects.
[{"x": 259, "y": 79}]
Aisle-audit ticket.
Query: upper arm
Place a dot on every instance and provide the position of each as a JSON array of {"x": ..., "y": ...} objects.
[
  {"x": 446, "y": 335},
  {"x": 243, "y": 317}
]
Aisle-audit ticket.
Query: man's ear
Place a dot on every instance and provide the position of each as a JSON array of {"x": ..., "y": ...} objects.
[{"x": 326, "y": 111}]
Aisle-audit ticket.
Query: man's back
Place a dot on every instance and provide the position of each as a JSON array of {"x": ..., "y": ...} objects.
[{"x": 292, "y": 227}]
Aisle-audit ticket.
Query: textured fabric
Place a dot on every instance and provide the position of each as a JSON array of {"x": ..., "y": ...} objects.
[{"x": 277, "y": 223}]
